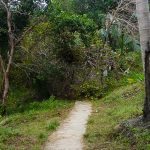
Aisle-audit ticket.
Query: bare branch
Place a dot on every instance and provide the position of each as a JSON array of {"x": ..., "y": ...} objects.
[
  {"x": 4, "y": 4},
  {"x": 124, "y": 15}
]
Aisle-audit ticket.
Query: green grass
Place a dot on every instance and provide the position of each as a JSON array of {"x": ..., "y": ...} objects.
[
  {"x": 30, "y": 129},
  {"x": 119, "y": 105}
]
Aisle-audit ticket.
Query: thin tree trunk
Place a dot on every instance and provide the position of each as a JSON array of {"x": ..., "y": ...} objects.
[
  {"x": 12, "y": 44},
  {"x": 6, "y": 71},
  {"x": 142, "y": 7}
]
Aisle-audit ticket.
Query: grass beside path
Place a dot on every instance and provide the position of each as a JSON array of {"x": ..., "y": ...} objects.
[
  {"x": 29, "y": 130},
  {"x": 121, "y": 104}
]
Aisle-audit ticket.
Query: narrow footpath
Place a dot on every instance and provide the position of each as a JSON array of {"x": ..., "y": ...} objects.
[{"x": 69, "y": 135}]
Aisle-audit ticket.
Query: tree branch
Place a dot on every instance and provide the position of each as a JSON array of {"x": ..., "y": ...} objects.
[{"x": 2, "y": 64}]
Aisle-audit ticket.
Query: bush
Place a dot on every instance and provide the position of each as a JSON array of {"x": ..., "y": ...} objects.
[{"x": 90, "y": 90}]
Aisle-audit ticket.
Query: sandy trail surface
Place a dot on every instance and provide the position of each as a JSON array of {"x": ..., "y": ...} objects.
[{"x": 69, "y": 135}]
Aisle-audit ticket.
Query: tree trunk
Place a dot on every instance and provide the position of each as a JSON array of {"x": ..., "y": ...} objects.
[
  {"x": 142, "y": 7},
  {"x": 5, "y": 88},
  {"x": 6, "y": 71},
  {"x": 146, "y": 111},
  {"x": 5, "y": 68}
]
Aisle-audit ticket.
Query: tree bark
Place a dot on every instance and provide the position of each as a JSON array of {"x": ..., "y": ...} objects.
[
  {"x": 142, "y": 8},
  {"x": 146, "y": 111}
]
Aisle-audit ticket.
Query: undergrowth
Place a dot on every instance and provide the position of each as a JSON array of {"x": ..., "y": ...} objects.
[
  {"x": 121, "y": 104},
  {"x": 29, "y": 130}
]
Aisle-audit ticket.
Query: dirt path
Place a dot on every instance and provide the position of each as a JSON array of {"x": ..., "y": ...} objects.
[{"x": 69, "y": 135}]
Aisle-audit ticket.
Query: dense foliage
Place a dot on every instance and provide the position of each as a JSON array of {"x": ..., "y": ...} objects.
[{"x": 68, "y": 51}]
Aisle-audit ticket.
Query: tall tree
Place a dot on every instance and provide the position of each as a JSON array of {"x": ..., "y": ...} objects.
[
  {"x": 11, "y": 37},
  {"x": 142, "y": 8},
  {"x": 13, "y": 41}
]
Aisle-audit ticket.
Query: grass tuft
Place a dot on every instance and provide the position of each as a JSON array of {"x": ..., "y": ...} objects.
[{"x": 53, "y": 124}]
